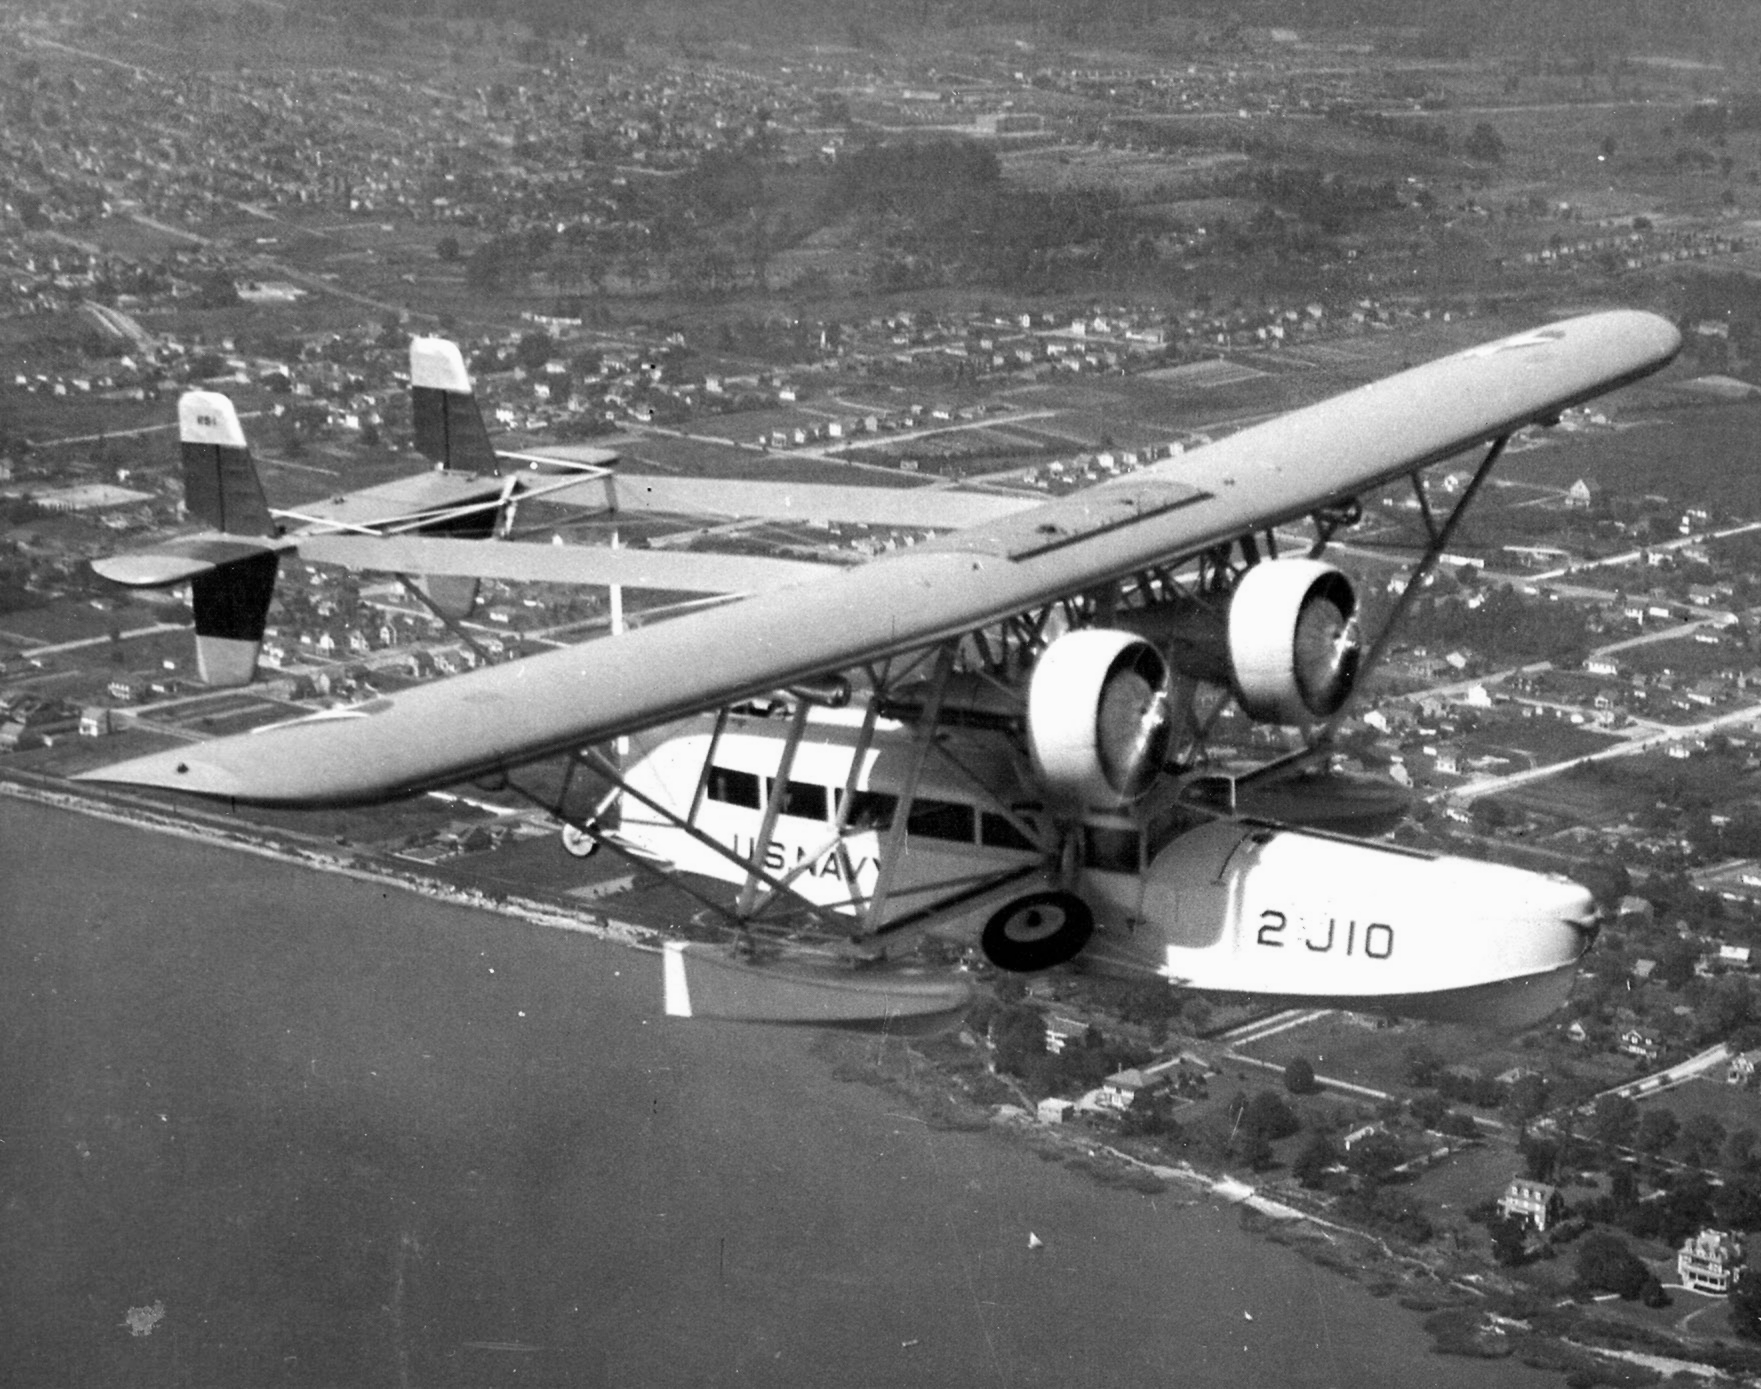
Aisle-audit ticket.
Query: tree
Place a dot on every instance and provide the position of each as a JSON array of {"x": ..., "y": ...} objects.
[
  {"x": 1657, "y": 1130},
  {"x": 1510, "y": 1238},
  {"x": 1312, "y": 1160},
  {"x": 1739, "y": 1149},
  {"x": 1745, "y": 1304},
  {"x": 1702, "y": 1135},
  {"x": 1738, "y": 1203},
  {"x": 1606, "y": 1264},
  {"x": 1623, "y": 1186},
  {"x": 1485, "y": 144},
  {"x": 1423, "y": 1066},
  {"x": 535, "y": 349},
  {"x": 1428, "y": 1109},
  {"x": 447, "y": 248},
  {"x": 1267, "y": 1114},
  {"x": 1150, "y": 1116},
  {"x": 1299, "y": 1077},
  {"x": 1614, "y": 1121},
  {"x": 1375, "y": 1156},
  {"x": 1525, "y": 1100},
  {"x": 1019, "y": 1033},
  {"x": 1540, "y": 1157}
]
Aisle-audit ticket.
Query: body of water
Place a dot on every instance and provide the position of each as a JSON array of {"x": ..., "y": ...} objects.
[{"x": 261, "y": 1125}]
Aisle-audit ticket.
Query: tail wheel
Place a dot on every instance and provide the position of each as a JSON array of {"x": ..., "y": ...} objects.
[
  {"x": 1037, "y": 931},
  {"x": 582, "y": 843}
]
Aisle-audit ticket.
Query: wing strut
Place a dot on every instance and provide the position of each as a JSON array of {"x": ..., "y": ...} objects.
[
  {"x": 923, "y": 738},
  {"x": 1440, "y": 536},
  {"x": 415, "y": 591},
  {"x": 773, "y": 807}
]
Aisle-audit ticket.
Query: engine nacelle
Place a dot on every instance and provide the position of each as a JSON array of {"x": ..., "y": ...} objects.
[
  {"x": 1285, "y": 641},
  {"x": 1293, "y": 640},
  {"x": 1098, "y": 717}
]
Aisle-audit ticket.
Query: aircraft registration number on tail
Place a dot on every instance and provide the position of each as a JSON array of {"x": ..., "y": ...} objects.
[{"x": 1375, "y": 941}]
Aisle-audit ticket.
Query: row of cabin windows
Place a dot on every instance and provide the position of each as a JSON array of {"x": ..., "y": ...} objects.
[{"x": 869, "y": 810}]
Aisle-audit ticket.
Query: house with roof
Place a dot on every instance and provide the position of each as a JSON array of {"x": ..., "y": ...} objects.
[
  {"x": 1637, "y": 1042},
  {"x": 1120, "y": 1089},
  {"x": 1742, "y": 1067},
  {"x": 1710, "y": 1261},
  {"x": 1537, "y": 1203}
]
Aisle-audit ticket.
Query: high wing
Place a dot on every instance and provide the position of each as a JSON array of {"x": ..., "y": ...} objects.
[
  {"x": 682, "y": 571},
  {"x": 917, "y": 508},
  {"x": 1315, "y": 458}
]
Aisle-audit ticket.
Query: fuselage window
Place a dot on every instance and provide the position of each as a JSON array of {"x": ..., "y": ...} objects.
[
  {"x": 998, "y": 832},
  {"x": 871, "y": 810},
  {"x": 1110, "y": 850},
  {"x": 804, "y": 799},
  {"x": 940, "y": 820},
  {"x": 733, "y": 788}
]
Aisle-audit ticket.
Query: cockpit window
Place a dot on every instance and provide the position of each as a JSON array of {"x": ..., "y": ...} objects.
[
  {"x": 733, "y": 788},
  {"x": 871, "y": 810},
  {"x": 805, "y": 799}
]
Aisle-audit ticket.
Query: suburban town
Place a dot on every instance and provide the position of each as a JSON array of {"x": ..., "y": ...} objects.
[{"x": 1047, "y": 262}]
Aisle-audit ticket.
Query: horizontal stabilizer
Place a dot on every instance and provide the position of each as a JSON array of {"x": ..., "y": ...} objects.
[
  {"x": 706, "y": 981},
  {"x": 923, "y": 508},
  {"x": 178, "y": 560},
  {"x": 448, "y": 503},
  {"x": 681, "y": 571}
]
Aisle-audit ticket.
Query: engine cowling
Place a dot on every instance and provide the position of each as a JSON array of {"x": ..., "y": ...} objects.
[
  {"x": 1285, "y": 641},
  {"x": 1099, "y": 719},
  {"x": 1293, "y": 640}
]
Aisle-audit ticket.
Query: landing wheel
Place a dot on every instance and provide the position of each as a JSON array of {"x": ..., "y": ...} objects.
[
  {"x": 1037, "y": 931},
  {"x": 579, "y": 842}
]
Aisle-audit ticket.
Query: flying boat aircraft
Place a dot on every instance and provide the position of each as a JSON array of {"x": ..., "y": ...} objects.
[{"x": 997, "y": 733}]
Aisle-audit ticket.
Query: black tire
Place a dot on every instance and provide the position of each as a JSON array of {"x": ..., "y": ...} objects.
[{"x": 1037, "y": 931}]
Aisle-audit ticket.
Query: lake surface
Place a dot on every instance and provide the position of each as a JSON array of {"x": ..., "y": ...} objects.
[{"x": 266, "y": 1125}]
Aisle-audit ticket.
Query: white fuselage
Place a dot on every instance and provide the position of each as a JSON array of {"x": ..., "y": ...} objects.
[
  {"x": 1216, "y": 904},
  {"x": 971, "y": 818}
]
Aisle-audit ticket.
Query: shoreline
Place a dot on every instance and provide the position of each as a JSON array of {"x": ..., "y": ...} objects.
[{"x": 1372, "y": 1263}]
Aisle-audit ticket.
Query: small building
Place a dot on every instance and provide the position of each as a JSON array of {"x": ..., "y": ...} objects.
[
  {"x": 1053, "y": 1110},
  {"x": 1710, "y": 1261},
  {"x": 1122, "y": 1087},
  {"x": 1061, "y": 1032},
  {"x": 1741, "y": 1070},
  {"x": 1636, "y": 1042},
  {"x": 1357, "y": 1135},
  {"x": 1538, "y": 1203}
]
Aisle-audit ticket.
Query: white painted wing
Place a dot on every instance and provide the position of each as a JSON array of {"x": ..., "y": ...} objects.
[
  {"x": 504, "y": 715},
  {"x": 920, "y": 508},
  {"x": 682, "y": 571}
]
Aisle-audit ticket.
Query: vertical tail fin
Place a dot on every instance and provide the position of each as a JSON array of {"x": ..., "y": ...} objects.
[
  {"x": 449, "y": 426},
  {"x": 450, "y": 430},
  {"x": 221, "y": 489},
  {"x": 220, "y": 486}
]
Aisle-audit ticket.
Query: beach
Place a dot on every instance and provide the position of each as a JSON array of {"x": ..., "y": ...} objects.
[{"x": 267, "y": 1124}]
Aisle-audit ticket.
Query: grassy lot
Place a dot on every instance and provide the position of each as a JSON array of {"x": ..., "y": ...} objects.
[
  {"x": 1376, "y": 1057},
  {"x": 1468, "y": 1178},
  {"x": 1701, "y": 459},
  {"x": 1731, "y": 1105},
  {"x": 1542, "y": 738}
]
